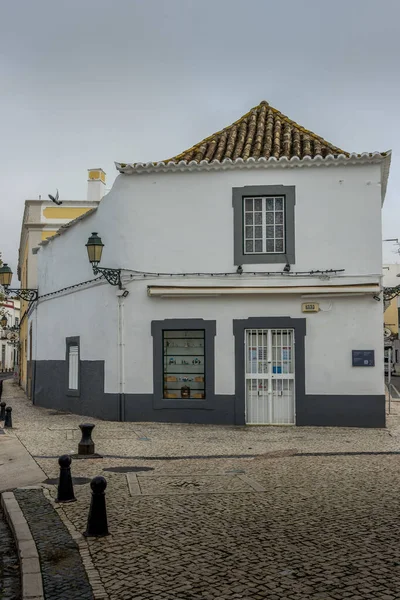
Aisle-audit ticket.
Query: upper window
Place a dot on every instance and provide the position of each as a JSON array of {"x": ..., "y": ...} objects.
[{"x": 264, "y": 224}]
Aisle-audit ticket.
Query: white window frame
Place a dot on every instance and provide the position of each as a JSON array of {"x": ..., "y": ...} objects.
[
  {"x": 257, "y": 191},
  {"x": 73, "y": 366},
  {"x": 264, "y": 239}
]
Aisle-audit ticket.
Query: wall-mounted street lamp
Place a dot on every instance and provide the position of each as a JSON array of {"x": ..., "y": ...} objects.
[
  {"x": 94, "y": 248},
  {"x": 3, "y": 321},
  {"x": 24, "y": 294}
]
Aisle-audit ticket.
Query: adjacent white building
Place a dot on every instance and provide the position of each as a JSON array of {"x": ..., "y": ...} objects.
[
  {"x": 9, "y": 334},
  {"x": 251, "y": 270},
  {"x": 42, "y": 218}
]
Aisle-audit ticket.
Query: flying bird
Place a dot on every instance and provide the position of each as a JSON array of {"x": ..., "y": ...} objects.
[{"x": 55, "y": 199}]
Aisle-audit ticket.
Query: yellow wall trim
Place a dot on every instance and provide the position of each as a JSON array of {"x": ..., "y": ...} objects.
[
  {"x": 47, "y": 234},
  {"x": 391, "y": 318},
  {"x": 97, "y": 174},
  {"x": 59, "y": 212}
]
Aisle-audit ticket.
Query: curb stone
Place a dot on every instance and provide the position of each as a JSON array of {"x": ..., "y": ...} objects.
[
  {"x": 32, "y": 585},
  {"x": 92, "y": 573}
]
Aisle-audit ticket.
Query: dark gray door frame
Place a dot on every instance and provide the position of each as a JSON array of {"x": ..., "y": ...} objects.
[
  {"x": 157, "y": 328},
  {"x": 239, "y": 326}
]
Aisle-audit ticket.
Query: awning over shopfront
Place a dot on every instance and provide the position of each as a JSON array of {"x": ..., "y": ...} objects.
[{"x": 321, "y": 290}]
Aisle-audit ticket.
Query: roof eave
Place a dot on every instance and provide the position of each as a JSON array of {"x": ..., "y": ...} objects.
[
  {"x": 228, "y": 164},
  {"x": 385, "y": 169}
]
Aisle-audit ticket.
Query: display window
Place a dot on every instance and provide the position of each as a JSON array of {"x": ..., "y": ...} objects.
[{"x": 184, "y": 364}]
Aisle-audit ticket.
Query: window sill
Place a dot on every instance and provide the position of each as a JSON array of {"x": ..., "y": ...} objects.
[{"x": 257, "y": 259}]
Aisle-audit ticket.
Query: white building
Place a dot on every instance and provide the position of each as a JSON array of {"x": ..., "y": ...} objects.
[
  {"x": 9, "y": 334},
  {"x": 251, "y": 274},
  {"x": 42, "y": 219}
]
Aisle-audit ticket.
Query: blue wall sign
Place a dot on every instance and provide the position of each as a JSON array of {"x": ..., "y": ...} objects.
[{"x": 363, "y": 358}]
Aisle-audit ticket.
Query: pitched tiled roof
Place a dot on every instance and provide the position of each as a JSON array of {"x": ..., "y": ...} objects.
[
  {"x": 262, "y": 138},
  {"x": 263, "y": 132}
]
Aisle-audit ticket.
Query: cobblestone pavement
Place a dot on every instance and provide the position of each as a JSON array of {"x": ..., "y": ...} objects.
[
  {"x": 63, "y": 574},
  {"x": 10, "y": 585},
  {"x": 276, "y": 517}
]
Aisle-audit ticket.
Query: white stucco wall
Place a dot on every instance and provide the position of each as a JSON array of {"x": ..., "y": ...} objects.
[
  {"x": 331, "y": 335},
  {"x": 90, "y": 314},
  {"x": 183, "y": 222},
  {"x": 342, "y": 325}
]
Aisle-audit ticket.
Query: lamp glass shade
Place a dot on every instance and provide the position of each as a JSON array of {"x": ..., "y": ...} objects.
[
  {"x": 5, "y": 275},
  {"x": 94, "y": 248},
  {"x": 3, "y": 321}
]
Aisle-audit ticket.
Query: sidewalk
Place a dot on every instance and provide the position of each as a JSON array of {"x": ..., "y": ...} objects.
[
  {"x": 17, "y": 467},
  {"x": 223, "y": 513}
]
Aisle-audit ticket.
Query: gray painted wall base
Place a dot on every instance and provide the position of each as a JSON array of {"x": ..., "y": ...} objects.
[
  {"x": 50, "y": 391},
  {"x": 140, "y": 407},
  {"x": 342, "y": 411}
]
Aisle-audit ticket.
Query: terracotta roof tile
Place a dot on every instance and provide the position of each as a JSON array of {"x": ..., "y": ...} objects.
[{"x": 262, "y": 132}]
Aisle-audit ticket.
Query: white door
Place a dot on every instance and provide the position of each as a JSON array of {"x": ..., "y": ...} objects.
[{"x": 269, "y": 373}]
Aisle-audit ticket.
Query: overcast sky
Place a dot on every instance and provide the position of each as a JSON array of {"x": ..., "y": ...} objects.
[{"x": 88, "y": 82}]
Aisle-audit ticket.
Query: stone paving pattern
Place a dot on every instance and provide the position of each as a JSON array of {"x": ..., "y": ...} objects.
[
  {"x": 10, "y": 583},
  {"x": 192, "y": 484},
  {"x": 326, "y": 527},
  {"x": 63, "y": 574}
]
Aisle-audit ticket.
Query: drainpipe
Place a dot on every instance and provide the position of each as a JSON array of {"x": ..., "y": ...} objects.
[
  {"x": 121, "y": 294},
  {"x": 33, "y": 384}
]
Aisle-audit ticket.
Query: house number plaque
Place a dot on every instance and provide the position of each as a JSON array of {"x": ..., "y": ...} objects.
[{"x": 310, "y": 307}]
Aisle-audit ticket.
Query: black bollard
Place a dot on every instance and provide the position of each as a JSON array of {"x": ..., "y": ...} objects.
[
  {"x": 8, "y": 419},
  {"x": 86, "y": 445},
  {"x": 97, "y": 525},
  {"x": 65, "y": 492},
  {"x": 2, "y": 411}
]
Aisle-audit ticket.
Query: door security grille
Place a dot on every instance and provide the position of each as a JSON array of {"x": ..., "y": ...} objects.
[{"x": 270, "y": 376}]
